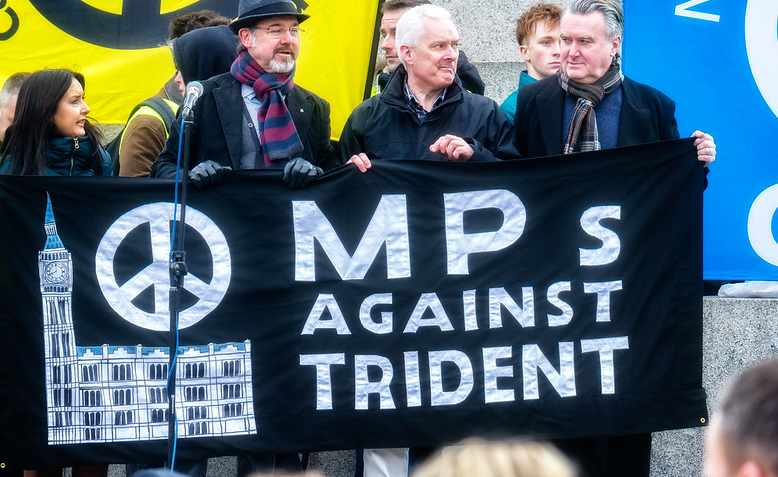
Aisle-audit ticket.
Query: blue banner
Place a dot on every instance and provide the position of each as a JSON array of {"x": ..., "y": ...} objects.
[{"x": 718, "y": 60}]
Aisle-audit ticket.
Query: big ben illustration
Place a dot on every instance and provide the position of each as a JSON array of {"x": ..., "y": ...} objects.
[{"x": 55, "y": 268}]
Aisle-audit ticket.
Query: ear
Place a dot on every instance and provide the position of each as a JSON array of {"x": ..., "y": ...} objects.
[
  {"x": 524, "y": 53},
  {"x": 406, "y": 54},
  {"x": 246, "y": 37},
  {"x": 616, "y": 45}
]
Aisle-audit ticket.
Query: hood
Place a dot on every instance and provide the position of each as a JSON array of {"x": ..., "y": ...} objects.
[{"x": 205, "y": 52}]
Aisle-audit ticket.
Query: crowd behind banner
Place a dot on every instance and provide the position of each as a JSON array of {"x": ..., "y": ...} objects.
[{"x": 428, "y": 104}]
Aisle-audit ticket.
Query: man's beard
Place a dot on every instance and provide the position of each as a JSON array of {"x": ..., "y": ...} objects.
[
  {"x": 390, "y": 67},
  {"x": 282, "y": 67}
]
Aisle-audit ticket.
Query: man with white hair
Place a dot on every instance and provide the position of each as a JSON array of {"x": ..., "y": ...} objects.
[
  {"x": 742, "y": 440},
  {"x": 424, "y": 112},
  {"x": 391, "y": 12},
  {"x": 589, "y": 105}
]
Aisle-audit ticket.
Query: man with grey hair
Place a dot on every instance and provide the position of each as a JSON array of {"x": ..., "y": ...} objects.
[
  {"x": 8, "y": 95},
  {"x": 425, "y": 113},
  {"x": 742, "y": 440},
  {"x": 590, "y": 105},
  {"x": 391, "y": 11}
]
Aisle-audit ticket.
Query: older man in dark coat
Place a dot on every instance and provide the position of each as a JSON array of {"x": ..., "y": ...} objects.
[
  {"x": 425, "y": 113},
  {"x": 255, "y": 117},
  {"x": 590, "y": 105}
]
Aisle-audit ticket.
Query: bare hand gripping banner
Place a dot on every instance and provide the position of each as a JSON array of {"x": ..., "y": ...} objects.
[{"x": 409, "y": 306}]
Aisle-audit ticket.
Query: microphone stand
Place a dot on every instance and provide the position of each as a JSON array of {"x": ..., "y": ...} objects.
[{"x": 178, "y": 271}]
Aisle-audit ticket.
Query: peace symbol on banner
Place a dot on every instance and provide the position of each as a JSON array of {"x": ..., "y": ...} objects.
[{"x": 122, "y": 296}]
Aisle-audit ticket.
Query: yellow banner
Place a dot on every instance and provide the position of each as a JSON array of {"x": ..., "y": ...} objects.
[{"x": 119, "y": 46}]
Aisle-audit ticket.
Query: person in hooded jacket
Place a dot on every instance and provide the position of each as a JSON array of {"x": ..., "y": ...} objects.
[
  {"x": 199, "y": 55},
  {"x": 50, "y": 134}
]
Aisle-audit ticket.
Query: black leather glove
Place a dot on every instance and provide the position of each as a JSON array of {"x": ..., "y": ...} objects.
[
  {"x": 208, "y": 173},
  {"x": 298, "y": 172}
]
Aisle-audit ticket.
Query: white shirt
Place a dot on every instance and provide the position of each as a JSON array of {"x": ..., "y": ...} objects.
[{"x": 252, "y": 104}]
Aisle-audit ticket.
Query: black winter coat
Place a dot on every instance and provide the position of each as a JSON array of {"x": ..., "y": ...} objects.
[
  {"x": 217, "y": 132},
  {"x": 647, "y": 115},
  {"x": 385, "y": 126}
]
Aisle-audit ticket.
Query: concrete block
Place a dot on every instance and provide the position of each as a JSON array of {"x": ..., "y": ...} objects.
[
  {"x": 500, "y": 78},
  {"x": 487, "y": 27},
  {"x": 736, "y": 334},
  {"x": 333, "y": 464}
]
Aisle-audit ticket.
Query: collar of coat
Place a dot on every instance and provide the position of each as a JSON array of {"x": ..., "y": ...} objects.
[{"x": 394, "y": 94}]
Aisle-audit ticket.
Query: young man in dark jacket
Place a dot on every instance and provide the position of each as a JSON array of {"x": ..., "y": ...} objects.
[
  {"x": 230, "y": 130},
  {"x": 425, "y": 113},
  {"x": 146, "y": 132}
]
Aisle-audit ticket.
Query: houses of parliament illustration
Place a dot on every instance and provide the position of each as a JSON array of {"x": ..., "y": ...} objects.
[{"x": 107, "y": 393}]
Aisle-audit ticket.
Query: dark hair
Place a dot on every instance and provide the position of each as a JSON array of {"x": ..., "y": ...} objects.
[
  {"x": 187, "y": 22},
  {"x": 27, "y": 140},
  {"x": 394, "y": 5},
  {"x": 748, "y": 415},
  {"x": 541, "y": 12}
]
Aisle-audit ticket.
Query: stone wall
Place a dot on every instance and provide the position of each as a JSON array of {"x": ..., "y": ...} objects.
[{"x": 488, "y": 33}]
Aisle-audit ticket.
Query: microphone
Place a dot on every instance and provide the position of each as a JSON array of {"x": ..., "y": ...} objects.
[{"x": 194, "y": 89}]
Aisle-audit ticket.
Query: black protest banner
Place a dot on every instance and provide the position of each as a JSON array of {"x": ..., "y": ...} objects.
[{"x": 409, "y": 306}]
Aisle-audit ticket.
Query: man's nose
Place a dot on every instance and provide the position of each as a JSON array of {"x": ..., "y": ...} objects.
[{"x": 387, "y": 43}]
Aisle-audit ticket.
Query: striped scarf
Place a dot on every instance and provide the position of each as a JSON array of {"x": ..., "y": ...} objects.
[
  {"x": 277, "y": 132},
  {"x": 582, "y": 135}
]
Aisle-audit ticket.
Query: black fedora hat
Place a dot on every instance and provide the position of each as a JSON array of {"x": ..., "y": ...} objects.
[{"x": 250, "y": 11}]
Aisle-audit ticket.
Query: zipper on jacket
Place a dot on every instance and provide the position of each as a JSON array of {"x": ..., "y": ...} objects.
[{"x": 76, "y": 146}]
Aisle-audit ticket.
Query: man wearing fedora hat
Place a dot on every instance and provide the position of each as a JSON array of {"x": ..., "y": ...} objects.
[{"x": 255, "y": 116}]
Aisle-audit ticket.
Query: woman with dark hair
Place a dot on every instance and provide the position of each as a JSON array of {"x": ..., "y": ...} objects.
[{"x": 51, "y": 134}]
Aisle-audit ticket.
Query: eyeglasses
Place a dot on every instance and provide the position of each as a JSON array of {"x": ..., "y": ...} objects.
[{"x": 278, "y": 32}]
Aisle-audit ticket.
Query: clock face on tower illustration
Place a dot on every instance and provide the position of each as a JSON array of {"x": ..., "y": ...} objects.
[{"x": 55, "y": 272}]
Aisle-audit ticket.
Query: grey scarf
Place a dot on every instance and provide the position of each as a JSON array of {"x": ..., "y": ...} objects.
[{"x": 583, "y": 135}]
